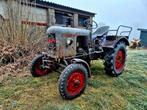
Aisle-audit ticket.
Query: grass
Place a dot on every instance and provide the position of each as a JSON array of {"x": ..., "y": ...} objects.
[{"x": 127, "y": 92}]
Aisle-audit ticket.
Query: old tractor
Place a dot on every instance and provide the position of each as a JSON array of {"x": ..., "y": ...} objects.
[{"x": 70, "y": 51}]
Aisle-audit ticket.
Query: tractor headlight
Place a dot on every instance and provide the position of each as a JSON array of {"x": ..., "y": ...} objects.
[{"x": 69, "y": 42}]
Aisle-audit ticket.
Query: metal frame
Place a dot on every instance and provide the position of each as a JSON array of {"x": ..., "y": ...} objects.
[{"x": 117, "y": 30}]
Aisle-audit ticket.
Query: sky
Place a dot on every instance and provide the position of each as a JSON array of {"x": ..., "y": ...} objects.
[{"x": 114, "y": 12}]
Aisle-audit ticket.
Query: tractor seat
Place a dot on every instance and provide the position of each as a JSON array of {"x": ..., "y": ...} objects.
[
  {"x": 111, "y": 37},
  {"x": 114, "y": 37},
  {"x": 100, "y": 32}
]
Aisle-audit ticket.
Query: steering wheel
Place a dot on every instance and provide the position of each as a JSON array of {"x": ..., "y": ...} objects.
[{"x": 90, "y": 25}]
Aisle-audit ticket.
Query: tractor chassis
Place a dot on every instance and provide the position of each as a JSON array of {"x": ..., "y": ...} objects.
[{"x": 55, "y": 64}]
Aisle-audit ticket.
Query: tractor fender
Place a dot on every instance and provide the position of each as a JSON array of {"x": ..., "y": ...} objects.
[
  {"x": 84, "y": 63},
  {"x": 123, "y": 39},
  {"x": 112, "y": 44}
]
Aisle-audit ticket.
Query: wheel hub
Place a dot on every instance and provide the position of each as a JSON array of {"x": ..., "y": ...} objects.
[
  {"x": 40, "y": 69},
  {"x": 120, "y": 60},
  {"x": 75, "y": 83}
]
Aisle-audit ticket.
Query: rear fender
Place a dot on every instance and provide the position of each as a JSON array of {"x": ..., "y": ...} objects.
[
  {"x": 79, "y": 61},
  {"x": 112, "y": 44}
]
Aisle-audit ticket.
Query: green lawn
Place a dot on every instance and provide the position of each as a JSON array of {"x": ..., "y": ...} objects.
[{"x": 127, "y": 92}]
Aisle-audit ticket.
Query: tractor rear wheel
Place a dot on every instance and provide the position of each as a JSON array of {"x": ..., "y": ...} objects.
[
  {"x": 37, "y": 69},
  {"x": 73, "y": 81},
  {"x": 115, "y": 60}
]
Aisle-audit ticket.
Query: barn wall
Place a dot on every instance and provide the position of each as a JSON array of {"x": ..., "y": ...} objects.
[
  {"x": 2, "y": 5},
  {"x": 51, "y": 17},
  {"x": 29, "y": 13},
  {"x": 35, "y": 14},
  {"x": 76, "y": 20},
  {"x": 143, "y": 38}
]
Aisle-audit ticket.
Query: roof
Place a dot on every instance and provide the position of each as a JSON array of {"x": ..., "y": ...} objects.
[
  {"x": 46, "y": 4},
  {"x": 140, "y": 29}
]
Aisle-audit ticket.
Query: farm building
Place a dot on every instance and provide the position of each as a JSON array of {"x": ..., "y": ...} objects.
[
  {"x": 43, "y": 13},
  {"x": 143, "y": 37}
]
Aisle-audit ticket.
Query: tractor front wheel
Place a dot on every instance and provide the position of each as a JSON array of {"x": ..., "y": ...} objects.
[
  {"x": 37, "y": 69},
  {"x": 115, "y": 60},
  {"x": 73, "y": 81}
]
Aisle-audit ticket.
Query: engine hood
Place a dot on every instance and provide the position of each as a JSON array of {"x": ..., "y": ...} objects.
[{"x": 60, "y": 30}]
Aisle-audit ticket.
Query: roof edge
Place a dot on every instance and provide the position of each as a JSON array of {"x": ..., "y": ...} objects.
[
  {"x": 47, "y": 4},
  {"x": 141, "y": 29}
]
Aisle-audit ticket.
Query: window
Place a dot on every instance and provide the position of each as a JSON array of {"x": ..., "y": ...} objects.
[
  {"x": 63, "y": 18},
  {"x": 81, "y": 21}
]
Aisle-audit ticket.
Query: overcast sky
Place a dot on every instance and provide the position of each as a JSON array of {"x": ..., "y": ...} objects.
[{"x": 114, "y": 12}]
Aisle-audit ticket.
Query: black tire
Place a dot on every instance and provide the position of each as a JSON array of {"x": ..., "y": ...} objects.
[
  {"x": 112, "y": 66},
  {"x": 36, "y": 69},
  {"x": 68, "y": 88}
]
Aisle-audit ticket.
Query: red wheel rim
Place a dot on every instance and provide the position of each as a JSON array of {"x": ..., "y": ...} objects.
[
  {"x": 39, "y": 70},
  {"x": 120, "y": 60},
  {"x": 75, "y": 83}
]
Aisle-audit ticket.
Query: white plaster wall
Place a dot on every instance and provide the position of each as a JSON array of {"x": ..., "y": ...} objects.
[
  {"x": 35, "y": 14},
  {"x": 2, "y": 6}
]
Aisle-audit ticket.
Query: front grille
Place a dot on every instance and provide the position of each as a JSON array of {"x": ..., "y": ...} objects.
[{"x": 51, "y": 42}]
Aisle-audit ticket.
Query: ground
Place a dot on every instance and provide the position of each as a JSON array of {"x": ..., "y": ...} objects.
[{"x": 127, "y": 92}]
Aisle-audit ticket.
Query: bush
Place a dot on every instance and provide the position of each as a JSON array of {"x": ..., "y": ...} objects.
[{"x": 19, "y": 41}]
